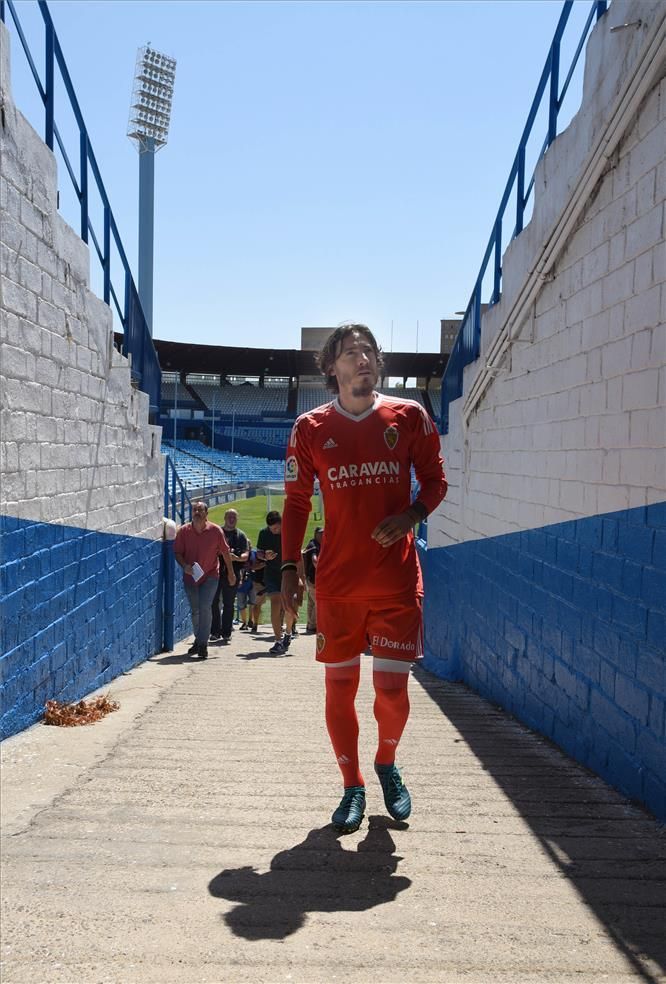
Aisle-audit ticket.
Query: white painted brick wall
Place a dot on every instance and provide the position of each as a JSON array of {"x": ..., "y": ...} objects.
[
  {"x": 574, "y": 422},
  {"x": 76, "y": 447}
]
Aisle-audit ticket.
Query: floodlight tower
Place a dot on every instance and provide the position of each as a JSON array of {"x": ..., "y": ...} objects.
[{"x": 148, "y": 127}]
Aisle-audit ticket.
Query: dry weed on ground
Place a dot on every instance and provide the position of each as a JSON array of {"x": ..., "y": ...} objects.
[{"x": 84, "y": 712}]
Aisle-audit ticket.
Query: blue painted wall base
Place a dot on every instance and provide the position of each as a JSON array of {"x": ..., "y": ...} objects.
[
  {"x": 78, "y": 608},
  {"x": 183, "y": 617},
  {"x": 565, "y": 627}
]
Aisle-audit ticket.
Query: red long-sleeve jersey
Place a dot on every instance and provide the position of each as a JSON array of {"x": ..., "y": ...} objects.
[{"x": 363, "y": 466}]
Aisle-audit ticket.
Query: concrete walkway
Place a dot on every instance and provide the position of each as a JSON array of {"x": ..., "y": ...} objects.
[{"x": 185, "y": 839}]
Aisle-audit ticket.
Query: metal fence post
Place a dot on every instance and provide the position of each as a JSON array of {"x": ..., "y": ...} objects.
[
  {"x": 166, "y": 486},
  {"x": 49, "y": 86},
  {"x": 127, "y": 320},
  {"x": 497, "y": 276},
  {"x": 553, "y": 102},
  {"x": 520, "y": 189},
  {"x": 83, "y": 145},
  {"x": 477, "y": 321},
  {"x": 107, "y": 254},
  {"x": 168, "y": 593}
]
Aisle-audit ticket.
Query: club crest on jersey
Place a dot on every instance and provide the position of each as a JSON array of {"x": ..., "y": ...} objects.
[
  {"x": 321, "y": 642},
  {"x": 291, "y": 469},
  {"x": 391, "y": 436}
]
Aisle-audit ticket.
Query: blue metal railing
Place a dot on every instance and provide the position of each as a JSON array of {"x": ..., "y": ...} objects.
[
  {"x": 467, "y": 345},
  {"x": 177, "y": 506},
  {"x": 137, "y": 342},
  {"x": 177, "y": 503}
]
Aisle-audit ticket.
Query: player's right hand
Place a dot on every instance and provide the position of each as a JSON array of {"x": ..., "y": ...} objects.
[{"x": 290, "y": 592}]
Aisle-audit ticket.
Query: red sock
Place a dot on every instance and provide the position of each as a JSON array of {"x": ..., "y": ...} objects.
[
  {"x": 391, "y": 712},
  {"x": 341, "y": 720}
]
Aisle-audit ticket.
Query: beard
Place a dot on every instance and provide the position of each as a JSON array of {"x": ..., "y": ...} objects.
[{"x": 364, "y": 387}]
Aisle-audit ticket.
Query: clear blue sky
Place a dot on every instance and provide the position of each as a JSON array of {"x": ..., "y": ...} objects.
[{"x": 326, "y": 161}]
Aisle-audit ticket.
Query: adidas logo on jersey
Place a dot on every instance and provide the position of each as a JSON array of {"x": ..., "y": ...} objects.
[{"x": 330, "y": 444}]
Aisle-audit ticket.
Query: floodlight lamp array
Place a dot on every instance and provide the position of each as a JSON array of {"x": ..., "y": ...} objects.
[{"x": 150, "y": 111}]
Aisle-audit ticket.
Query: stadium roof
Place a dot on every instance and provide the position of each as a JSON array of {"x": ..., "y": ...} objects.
[{"x": 228, "y": 360}]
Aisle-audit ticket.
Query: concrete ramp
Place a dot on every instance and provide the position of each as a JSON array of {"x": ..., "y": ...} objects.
[{"x": 186, "y": 839}]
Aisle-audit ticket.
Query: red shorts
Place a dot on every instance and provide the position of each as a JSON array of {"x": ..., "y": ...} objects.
[{"x": 393, "y": 627}]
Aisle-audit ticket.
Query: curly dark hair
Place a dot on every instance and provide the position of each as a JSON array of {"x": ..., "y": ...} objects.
[{"x": 331, "y": 350}]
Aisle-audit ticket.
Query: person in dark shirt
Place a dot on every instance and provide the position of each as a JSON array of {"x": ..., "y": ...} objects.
[
  {"x": 269, "y": 549},
  {"x": 222, "y": 624},
  {"x": 310, "y": 559},
  {"x": 257, "y": 596},
  {"x": 246, "y": 593}
]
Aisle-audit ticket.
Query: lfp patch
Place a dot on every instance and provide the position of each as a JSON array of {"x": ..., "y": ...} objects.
[
  {"x": 321, "y": 642},
  {"x": 291, "y": 469},
  {"x": 391, "y": 436}
]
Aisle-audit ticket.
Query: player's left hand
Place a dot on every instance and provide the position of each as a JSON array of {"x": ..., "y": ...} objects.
[
  {"x": 392, "y": 529},
  {"x": 290, "y": 582}
]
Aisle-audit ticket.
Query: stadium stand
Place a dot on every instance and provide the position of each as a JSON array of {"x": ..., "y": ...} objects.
[
  {"x": 246, "y": 401},
  {"x": 275, "y": 436},
  {"x": 411, "y": 393},
  {"x": 194, "y": 474},
  {"x": 252, "y": 409},
  {"x": 201, "y": 467},
  {"x": 171, "y": 393},
  {"x": 310, "y": 397}
]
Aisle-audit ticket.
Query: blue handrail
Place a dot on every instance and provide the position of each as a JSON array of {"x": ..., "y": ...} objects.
[
  {"x": 137, "y": 341},
  {"x": 177, "y": 503},
  {"x": 467, "y": 345}
]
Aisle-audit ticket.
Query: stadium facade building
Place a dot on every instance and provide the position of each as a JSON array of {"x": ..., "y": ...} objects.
[{"x": 448, "y": 330}]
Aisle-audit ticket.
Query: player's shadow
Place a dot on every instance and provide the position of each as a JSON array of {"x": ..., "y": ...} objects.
[{"x": 317, "y": 875}]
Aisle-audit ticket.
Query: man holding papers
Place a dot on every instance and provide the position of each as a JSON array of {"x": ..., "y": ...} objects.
[{"x": 197, "y": 547}]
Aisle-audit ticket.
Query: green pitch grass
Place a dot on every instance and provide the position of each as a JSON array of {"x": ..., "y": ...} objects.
[
  {"x": 252, "y": 518},
  {"x": 252, "y": 515}
]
